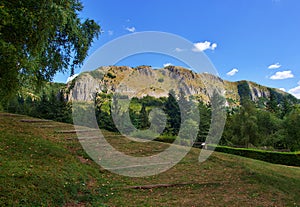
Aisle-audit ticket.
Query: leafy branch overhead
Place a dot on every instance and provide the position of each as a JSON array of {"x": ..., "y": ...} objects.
[{"x": 38, "y": 39}]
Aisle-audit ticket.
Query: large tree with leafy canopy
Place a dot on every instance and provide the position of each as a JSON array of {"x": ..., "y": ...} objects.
[{"x": 39, "y": 39}]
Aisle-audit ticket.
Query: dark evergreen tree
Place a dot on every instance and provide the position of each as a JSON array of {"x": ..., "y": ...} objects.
[
  {"x": 205, "y": 120},
  {"x": 173, "y": 112},
  {"x": 143, "y": 118}
]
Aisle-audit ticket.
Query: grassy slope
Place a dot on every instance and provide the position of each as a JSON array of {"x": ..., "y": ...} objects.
[{"x": 41, "y": 167}]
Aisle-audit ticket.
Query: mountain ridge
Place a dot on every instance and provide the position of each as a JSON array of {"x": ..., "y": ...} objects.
[{"x": 144, "y": 80}]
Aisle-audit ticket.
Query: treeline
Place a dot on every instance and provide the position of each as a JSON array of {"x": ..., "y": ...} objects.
[
  {"x": 272, "y": 126},
  {"x": 267, "y": 124},
  {"x": 48, "y": 104},
  {"x": 167, "y": 115}
]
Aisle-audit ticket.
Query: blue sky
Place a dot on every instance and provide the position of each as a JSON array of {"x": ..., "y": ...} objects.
[{"x": 256, "y": 40}]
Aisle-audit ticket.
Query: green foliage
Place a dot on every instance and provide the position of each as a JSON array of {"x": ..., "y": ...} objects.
[
  {"x": 284, "y": 158},
  {"x": 39, "y": 39},
  {"x": 189, "y": 127},
  {"x": 247, "y": 126},
  {"x": 48, "y": 104},
  {"x": 244, "y": 91},
  {"x": 173, "y": 112},
  {"x": 292, "y": 124},
  {"x": 144, "y": 118},
  {"x": 205, "y": 121},
  {"x": 166, "y": 138},
  {"x": 275, "y": 126}
]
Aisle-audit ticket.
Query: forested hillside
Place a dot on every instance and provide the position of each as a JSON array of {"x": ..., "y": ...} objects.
[{"x": 258, "y": 117}]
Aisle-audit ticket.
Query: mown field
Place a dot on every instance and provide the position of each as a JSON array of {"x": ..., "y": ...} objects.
[{"x": 41, "y": 166}]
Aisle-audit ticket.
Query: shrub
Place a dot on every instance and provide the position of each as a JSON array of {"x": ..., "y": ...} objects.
[
  {"x": 283, "y": 158},
  {"x": 164, "y": 138},
  {"x": 111, "y": 75}
]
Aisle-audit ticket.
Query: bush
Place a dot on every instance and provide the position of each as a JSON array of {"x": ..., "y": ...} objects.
[
  {"x": 160, "y": 80},
  {"x": 111, "y": 75},
  {"x": 166, "y": 139},
  {"x": 283, "y": 158}
]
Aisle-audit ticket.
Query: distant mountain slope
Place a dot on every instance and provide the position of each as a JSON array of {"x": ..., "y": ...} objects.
[{"x": 144, "y": 80}]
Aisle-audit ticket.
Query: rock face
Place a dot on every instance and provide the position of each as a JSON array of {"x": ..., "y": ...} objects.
[{"x": 143, "y": 80}]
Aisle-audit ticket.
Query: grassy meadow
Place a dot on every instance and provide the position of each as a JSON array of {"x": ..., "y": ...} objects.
[{"x": 40, "y": 166}]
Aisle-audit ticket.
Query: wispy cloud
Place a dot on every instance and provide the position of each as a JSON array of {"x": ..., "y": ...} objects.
[
  {"x": 130, "y": 29},
  {"x": 232, "y": 72},
  {"x": 177, "y": 49},
  {"x": 282, "y": 89},
  {"x": 202, "y": 46},
  {"x": 167, "y": 64},
  {"x": 274, "y": 66},
  {"x": 282, "y": 75},
  {"x": 110, "y": 32}
]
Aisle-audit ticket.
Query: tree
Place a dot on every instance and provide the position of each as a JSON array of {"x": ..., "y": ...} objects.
[
  {"x": 218, "y": 117},
  {"x": 242, "y": 126},
  {"x": 292, "y": 125},
  {"x": 286, "y": 107},
  {"x": 173, "y": 111},
  {"x": 272, "y": 104},
  {"x": 38, "y": 39},
  {"x": 144, "y": 118},
  {"x": 205, "y": 121}
]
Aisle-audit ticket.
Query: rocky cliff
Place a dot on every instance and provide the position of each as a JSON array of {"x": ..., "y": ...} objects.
[{"x": 143, "y": 80}]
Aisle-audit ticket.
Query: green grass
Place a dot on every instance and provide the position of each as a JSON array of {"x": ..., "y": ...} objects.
[
  {"x": 39, "y": 167},
  {"x": 41, "y": 170}
]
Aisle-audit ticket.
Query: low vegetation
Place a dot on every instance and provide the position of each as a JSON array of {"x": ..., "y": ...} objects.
[
  {"x": 41, "y": 167},
  {"x": 283, "y": 158}
]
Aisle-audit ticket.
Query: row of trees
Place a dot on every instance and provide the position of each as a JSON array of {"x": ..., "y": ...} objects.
[
  {"x": 275, "y": 126},
  {"x": 166, "y": 114},
  {"x": 272, "y": 125},
  {"x": 49, "y": 105}
]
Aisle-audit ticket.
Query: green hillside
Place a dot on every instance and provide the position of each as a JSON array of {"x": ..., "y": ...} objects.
[{"x": 41, "y": 165}]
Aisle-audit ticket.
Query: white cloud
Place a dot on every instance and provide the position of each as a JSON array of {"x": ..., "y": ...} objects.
[
  {"x": 282, "y": 75},
  {"x": 130, "y": 29},
  {"x": 274, "y": 66},
  {"x": 283, "y": 89},
  {"x": 202, "y": 46},
  {"x": 72, "y": 77},
  {"x": 295, "y": 91},
  {"x": 167, "y": 64},
  {"x": 110, "y": 32},
  {"x": 177, "y": 49},
  {"x": 232, "y": 72}
]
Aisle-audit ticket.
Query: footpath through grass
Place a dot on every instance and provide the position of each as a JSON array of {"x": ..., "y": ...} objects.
[{"x": 40, "y": 167}]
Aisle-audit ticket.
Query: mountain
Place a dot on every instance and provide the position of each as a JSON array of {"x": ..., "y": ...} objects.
[{"x": 143, "y": 80}]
